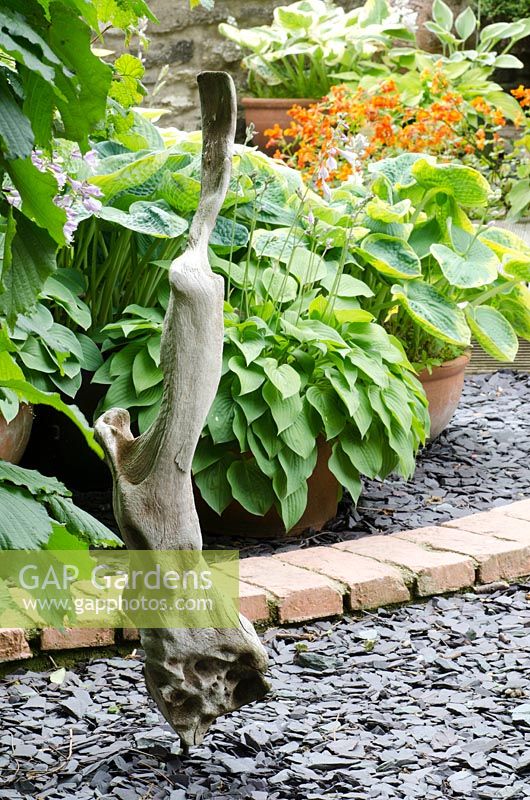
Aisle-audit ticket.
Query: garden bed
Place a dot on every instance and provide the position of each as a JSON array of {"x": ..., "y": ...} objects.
[
  {"x": 425, "y": 701},
  {"x": 480, "y": 462}
]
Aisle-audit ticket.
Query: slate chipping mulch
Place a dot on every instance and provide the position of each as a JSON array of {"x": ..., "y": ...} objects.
[{"x": 426, "y": 701}]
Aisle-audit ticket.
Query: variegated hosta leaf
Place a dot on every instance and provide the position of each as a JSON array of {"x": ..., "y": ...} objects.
[
  {"x": 517, "y": 267},
  {"x": 504, "y": 242},
  {"x": 493, "y": 332},
  {"x": 436, "y": 314},
  {"x": 391, "y": 256},
  {"x": 152, "y": 218},
  {"x": 478, "y": 266},
  {"x": 468, "y": 186}
]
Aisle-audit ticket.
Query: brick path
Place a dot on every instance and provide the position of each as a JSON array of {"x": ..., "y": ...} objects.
[{"x": 318, "y": 582}]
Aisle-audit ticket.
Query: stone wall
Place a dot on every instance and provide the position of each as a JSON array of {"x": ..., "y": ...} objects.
[{"x": 188, "y": 42}]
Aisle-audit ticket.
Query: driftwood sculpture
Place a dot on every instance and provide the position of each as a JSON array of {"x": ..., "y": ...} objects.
[{"x": 193, "y": 675}]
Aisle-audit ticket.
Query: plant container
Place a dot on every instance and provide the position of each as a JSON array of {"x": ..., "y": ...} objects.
[
  {"x": 14, "y": 435},
  {"x": 322, "y": 501},
  {"x": 265, "y": 112},
  {"x": 443, "y": 387}
]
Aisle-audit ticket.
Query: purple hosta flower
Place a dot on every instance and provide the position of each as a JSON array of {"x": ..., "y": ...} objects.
[
  {"x": 13, "y": 198},
  {"x": 331, "y": 163},
  {"x": 38, "y": 161},
  {"x": 311, "y": 218},
  {"x": 92, "y": 205},
  {"x": 326, "y": 191},
  {"x": 91, "y": 159},
  {"x": 92, "y": 190},
  {"x": 323, "y": 173},
  {"x": 70, "y": 226}
]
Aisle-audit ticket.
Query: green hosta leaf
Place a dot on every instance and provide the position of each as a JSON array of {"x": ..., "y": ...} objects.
[
  {"x": 283, "y": 377},
  {"x": 364, "y": 414},
  {"x": 365, "y": 454},
  {"x": 517, "y": 267},
  {"x": 9, "y": 369},
  {"x": 467, "y": 186},
  {"x": 397, "y": 170},
  {"x": 250, "y": 377},
  {"x": 346, "y": 286},
  {"x": 341, "y": 466},
  {"x": 81, "y": 524},
  {"x": 152, "y": 218},
  {"x": 16, "y": 135},
  {"x": 32, "y": 480},
  {"x": 284, "y": 410},
  {"x": 390, "y": 255},
  {"x": 370, "y": 366},
  {"x": 221, "y": 416},
  {"x": 250, "y": 487},
  {"x": 331, "y": 411},
  {"x": 92, "y": 358},
  {"x": 56, "y": 288},
  {"x": 145, "y": 373},
  {"x": 240, "y": 427},
  {"x": 466, "y": 23},
  {"x": 401, "y": 443},
  {"x": 277, "y": 244},
  {"x": 385, "y": 212},
  {"x": 251, "y": 345},
  {"x": 266, "y": 433},
  {"x": 36, "y": 396},
  {"x": 130, "y": 175},
  {"x": 297, "y": 468},
  {"x": 300, "y": 436},
  {"x": 228, "y": 235},
  {"x": 347, "y": 393},
  {"x": 436, "y": 314},
  {"x": 308, "y": 267},
  {"x": 505, "y": 243},
  {"x": 478, "y": 267},
  {"x": 266, "y": 464},
  {"x": 516, "y": 308},
  {"x": 253, "y": 405},
  {"x": 278, "y": 285},
  {"x": 24, "y": 522},
  {"x": 293, "y": 506},
  {"x": 442, "y": 15},
  {"x": 213, "y": 484},
  {"x": 493, "y": 332}
]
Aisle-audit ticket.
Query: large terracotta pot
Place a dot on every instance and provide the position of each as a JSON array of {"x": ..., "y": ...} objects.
[
  {"x": 14, "y": 435},
  {"x": 265, "y": 112},
  {"x": 322, "y": 501},
  {"x": 443, "y": 387}
]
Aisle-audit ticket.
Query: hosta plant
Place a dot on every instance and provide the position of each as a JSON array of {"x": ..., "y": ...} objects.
[
  {"x": 302, "y": 360},
  {"x": 311, "y": 42},
  {"x": 439, "y": 280}
]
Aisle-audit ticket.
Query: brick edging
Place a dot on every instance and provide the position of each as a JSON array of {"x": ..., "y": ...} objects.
[{"x": 318, "y": 582}]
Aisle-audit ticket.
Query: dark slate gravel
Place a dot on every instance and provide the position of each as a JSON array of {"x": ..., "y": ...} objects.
[
  {"x": 480, "y": 462},
  {"x": 427, "y": 701}
]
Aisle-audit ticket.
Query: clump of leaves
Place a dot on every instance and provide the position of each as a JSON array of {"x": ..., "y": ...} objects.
[{"x": 38, "y": 512}]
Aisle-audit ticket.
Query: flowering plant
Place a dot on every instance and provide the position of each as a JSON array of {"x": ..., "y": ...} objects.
[
  {"x": 312, "y": 43},
  {"x": 335, "y": 139}
]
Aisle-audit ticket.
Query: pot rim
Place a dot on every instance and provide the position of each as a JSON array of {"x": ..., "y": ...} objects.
[{"x": 446, "y": 369}]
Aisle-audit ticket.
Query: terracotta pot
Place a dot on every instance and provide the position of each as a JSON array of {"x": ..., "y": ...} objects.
[
  {"x": 14, "y": 435},
  {"x": 322, "y": 501},
  {"x": 443, "y": 387},
  {"x": 265, "y": 112}
]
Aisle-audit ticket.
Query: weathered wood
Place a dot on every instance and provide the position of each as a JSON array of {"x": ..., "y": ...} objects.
[{"x": 193, "y": 675}]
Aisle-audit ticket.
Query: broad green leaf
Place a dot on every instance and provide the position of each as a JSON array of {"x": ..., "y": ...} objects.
[
  {"x": 16, "y": 135},
  {"x": 504, "y": 243},
  {"x": 307, "y": 266},
  {"x": 56, "y": 288},
  {"x": 397, "y": 170},
  {"x": 37, "y": 190},
  {"x": 341, "y": 466},
  {"x": 390, "y": 255},
  {"x": 278, "y": 285},
  {"x": 240, "y": 427},
  {"x": 297, "y": 468},
  {"x": 293, "y": 506},
  {"x": 467, "y": 186},
  {"x": 32, "y": 480},
  {"x": 478, "y": 267},
  {"x": 284, "y": 410},
  {"x": 493, "y": 332},
  {"x": 401, "y": 443},
  {"x": 145, "y": 373},
  {"x": 36, "y": 396},
  {"x": 516, "y": 308},
  {"x": 434, "y": 312},
  {"x": 81, "y": 524},
  {"x": 348, "y": 394},
  {"x": 221, "y": 415},
  {"x": 346, "y": 286},
  {"x": 250, "y": 377},
  {"x": 250, "y": 487},
  {"x": 300, "y": 436},
  {"x": 283, "y": 377},
  {"x": 266, "y": 433},
  {"x": 24, "y": 522},
  {"x": 154, "y": 218},
  {"x": 132, "y": 174},
  {"x": 385, "y": 212},
  {"x": 269, "y": 466},
  {"x": 517, "y": 267},
  {"x": 466, "y": 23},
  {"x": 442, "y": 15},
  {"x": 9, "y": 369},
  {"x": 213, "y": 484},
  {"x": 324, "y": 400},
  {"x": 253, "y": 405},
  {"x": 365, "y": 454},
  {"x": 371, "y": 367},
  {"x": 228, "y": 235}
]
